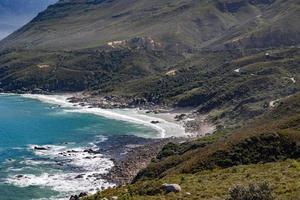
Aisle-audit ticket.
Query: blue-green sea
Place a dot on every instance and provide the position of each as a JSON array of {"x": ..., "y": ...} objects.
[{"x": 43, "y": 149}]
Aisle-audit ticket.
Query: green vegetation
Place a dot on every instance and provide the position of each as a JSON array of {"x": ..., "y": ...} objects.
[
  {"x": 271, "y": 137},
  {"x": 265, "y": 150},
  {"x": 283, "y": 178},
  {"x": 235, "y": 60},
  {"x": 209, "y": 84},
  {"x": 200, "y": 42},
  {"x": 261, "y": 191}
]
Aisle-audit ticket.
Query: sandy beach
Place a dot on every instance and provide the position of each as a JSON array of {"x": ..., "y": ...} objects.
[
  {"x": 163, "y": 122},
  {"x": 130, "y": 154}
]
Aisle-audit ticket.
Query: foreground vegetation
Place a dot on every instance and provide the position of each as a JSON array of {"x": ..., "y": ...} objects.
[
  {"x": 267, "y": 149},
  {"x": 283, "y": 178},
  {"x": 235, "y": 60}
]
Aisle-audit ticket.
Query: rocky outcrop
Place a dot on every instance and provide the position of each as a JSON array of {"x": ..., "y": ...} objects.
[{"x": 148, "y": 43}]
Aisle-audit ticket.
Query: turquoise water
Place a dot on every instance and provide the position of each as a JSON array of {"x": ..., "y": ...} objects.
[{"x": 27, "y": 173}]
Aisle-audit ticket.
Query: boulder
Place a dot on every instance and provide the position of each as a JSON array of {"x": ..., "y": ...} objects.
[
  {"x": 114, "y": 198},
  {"x": 40, "y": 148},
  {"x": 171, "y": 188},
  {"x": 91, "y": 151},
  {"x": 20, "y": 176},
  {"x": 74, "y": 197},
  {"x": 79, "y": 176},
  {"x": 83, "y": 194}
]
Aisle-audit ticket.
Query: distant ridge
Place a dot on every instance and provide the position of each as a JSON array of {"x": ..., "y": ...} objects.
[{"x": 217, "y": 23}]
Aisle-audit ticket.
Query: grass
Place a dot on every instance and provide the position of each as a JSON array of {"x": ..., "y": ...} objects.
[
  {"x": 267, "y": 149},
  {"x": 273, "y": 137},
  {"x": 283, "y": 178}
]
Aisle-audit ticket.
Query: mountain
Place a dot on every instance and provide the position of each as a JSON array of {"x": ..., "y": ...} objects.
[
  {"x": 234, "y": 56},
  {"x": 16, "y": 13},
  {"x": 266, "y": 150},
  {"x": 198, "y": 24},
  {"x": 235, "y": 61}
]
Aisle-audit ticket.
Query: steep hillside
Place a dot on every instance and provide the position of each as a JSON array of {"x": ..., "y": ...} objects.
[
  {"x": 235, "y": 23},
  {"x": 229, "y": 58},
  {"x": 206, "y": 168},
  {"x": 16, "y": 13},
  {"x": 236, "y": 61}
]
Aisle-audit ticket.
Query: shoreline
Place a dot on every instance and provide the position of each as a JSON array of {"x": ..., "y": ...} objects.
[
  {"x": 130, "y": 154},
  {"x": 169, "y": 122},
  {"x": 159, "y": 122},
  {"x": 127, "y": 115}
]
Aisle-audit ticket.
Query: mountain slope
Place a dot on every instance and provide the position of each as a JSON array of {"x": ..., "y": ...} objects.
[
  {"x": 265, "y": 150},
  {"x": 16, "y": 13},
  {"x": 77, "y": 24},
  {"x": 229, "y": 58}
]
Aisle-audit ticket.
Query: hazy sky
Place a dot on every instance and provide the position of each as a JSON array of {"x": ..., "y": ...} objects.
[{"x": 16, "y": 13}]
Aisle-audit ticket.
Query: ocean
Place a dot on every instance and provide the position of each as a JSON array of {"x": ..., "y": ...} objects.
[{"x": 47, "y": 144}]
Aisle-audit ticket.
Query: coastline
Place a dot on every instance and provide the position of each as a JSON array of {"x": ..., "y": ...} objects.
[
  {"x": 169, "y": 122},
  {"x": 161, "y": 119},
  {"x": 130, "y": 154}
]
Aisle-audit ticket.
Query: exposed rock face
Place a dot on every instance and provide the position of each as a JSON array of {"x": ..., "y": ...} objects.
[{"x": 137, "y": 43}]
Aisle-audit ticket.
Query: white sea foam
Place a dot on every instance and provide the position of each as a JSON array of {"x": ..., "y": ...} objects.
[
  {"x": 12, "y": 169},
  {"x": 66, "y": 183},
  {"x": 51, "y": 99},
  {"x": 165, "y": 128},
  {"x": 85, "y": 168},
  {"x": 84, "y": 174},
  {"x": 113, "y": 114},
  {"x": 76, "y": 157},
  {"x": 7, "y": 94}
]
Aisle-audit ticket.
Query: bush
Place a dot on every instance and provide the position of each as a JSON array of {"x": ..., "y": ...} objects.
[{"x": 252, "y": 192}]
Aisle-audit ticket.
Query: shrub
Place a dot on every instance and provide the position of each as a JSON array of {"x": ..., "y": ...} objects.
[{"x": 252, "y": 192}]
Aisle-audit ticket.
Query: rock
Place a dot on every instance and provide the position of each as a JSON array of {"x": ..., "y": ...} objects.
[
  {"x": 188, "y": 193},
  {"x": 171, "y": 188},
  {"x": 180, "y": 117},
  {"x": 20, "y": 176},
  {"x": 74, "y": 197},
  {"x": 40, "y": 148},
  {"x": 79, "y": 176},
  {"x": 155, "y": 122},
  {"x": 91, "y": 151},
  {"x": 114, "y": 198},
  {"x": 83, "y": 194}
]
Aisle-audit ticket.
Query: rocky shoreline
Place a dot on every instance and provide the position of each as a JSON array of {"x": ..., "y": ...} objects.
[
  {"x": 130, "y": 154},
  {"x": 195, "y": 124}
]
